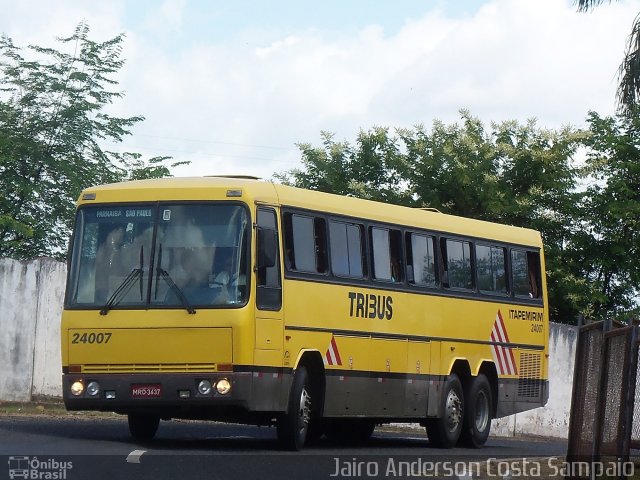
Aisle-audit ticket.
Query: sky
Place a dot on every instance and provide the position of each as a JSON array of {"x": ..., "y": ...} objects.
[{"x": 233, "y": 86}]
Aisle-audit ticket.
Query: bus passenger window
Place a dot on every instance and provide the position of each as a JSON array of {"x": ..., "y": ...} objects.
[
  {"x": 304, "y": 255},
  {"x": 345, "y": 241},
  {"x": 458, "y": 264},
  {"x": 381, "y": 255},
  {"x": 421, "y": 260},
  {"x": 305, "y": 244},
  {"x": 387, "y": 254},
  {"x": 525, "y": 274},
  {"x": 287, "y": 235},
  {"x": 490, "y": 267},
  {"x": 395, "y": 247},
  {"x": 320, "y": 242}
]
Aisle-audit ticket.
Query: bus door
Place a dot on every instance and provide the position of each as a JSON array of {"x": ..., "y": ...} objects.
[{"x": 268, "y": 309}]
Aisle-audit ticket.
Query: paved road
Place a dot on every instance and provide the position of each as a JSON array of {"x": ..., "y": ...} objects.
[{"x": 95, "y": 448}]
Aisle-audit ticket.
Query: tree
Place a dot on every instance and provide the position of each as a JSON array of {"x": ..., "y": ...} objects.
[
  {"x": 511, "y": 173},
  {"x": 628, "y": 94},
  {"x": 508, "y": 173},
  {"x": 608, "y": 242},
  {"x": 373, "y": 170},
  {"x": 53, "y": 128}
]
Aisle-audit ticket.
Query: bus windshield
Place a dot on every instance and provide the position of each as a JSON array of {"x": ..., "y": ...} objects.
[{"x": 156, "y": 256}]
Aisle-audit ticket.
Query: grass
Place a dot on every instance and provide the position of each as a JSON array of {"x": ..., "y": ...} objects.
[{"x": 45, "y": 407}]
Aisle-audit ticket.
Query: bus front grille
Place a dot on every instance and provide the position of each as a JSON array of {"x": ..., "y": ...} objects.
[{"x": 150, "y": 368}]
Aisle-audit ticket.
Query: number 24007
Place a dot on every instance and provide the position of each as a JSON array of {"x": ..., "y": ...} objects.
[{"x": 91, "y": 337}]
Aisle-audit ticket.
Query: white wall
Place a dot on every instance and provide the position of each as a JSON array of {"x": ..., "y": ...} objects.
[
  {"x": 30, "y": 304},
  {"x": 47, "y": 368},
  {"x": 31, "y": 297},
  {"x": 18, "y": 307}
]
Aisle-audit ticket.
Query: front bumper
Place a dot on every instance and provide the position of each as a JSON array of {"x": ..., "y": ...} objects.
[
  {"x": 131, "y": 392},
  {"x": 254, "y": 390}
]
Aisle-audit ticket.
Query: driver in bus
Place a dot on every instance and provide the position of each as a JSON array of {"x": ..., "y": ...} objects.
[
  {"x": 194, "y": 272},
  {"x": 223, "y": 277}
]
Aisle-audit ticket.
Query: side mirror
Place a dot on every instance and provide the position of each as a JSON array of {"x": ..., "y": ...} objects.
[{"x": 267, "y": 247}]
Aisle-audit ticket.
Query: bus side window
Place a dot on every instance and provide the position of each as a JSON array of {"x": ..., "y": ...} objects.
[
  {"x": 380, "y": 251},
  {"x": 320, "y": 242},
  {"x": 387, "y": 254},
  {"x": 421, "y": 269},
  {"x": 345, "y": 242},
  {"x": 397, "y": 263},
  {"x": 458, "y": 264},
  {"x": 490, "y": 269},
  {"x": 305, "y": 242},
  {"x": 287, "y": 236},
  {"x": 442, "y": 265},
  {"x": 533, "y": 260},
  {"x": 269, "y": 290},
  {"x": 525, "y": 274}
]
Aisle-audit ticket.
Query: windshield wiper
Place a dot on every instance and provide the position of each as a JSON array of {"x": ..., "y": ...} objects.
[
  {"x": 172, "y": 285},
  {"x": 124, "y": 287}
]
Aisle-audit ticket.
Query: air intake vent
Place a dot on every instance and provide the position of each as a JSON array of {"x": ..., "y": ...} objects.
[
  {"x": 530, "y": 369},
  {"x": 151, "y": 368}
]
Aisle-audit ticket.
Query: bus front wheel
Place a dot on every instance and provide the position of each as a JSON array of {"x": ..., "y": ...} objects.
[
  {"x": 293, "y": 426},
  {"x": 143, "y": 427},
  {"x": 477, "y": 417},
  {"x": 444, "y": 431}
]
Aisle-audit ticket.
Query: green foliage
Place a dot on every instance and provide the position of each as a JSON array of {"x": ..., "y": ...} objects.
[
  {"x": 608, "y": 245},
  {"x": 374, "y": 170},
  {"x": 53, "y": 125},
  {"x": 516, "y": 174}
]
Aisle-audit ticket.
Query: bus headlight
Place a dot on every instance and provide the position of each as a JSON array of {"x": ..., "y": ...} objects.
[
  {"x": 204, "y": 387},
  {"x": 223, "y": 386},
  {"x": 93, "y": 389},
  {"x": 77, "y": 388}
]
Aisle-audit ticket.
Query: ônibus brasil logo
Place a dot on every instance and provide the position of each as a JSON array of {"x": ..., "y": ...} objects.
[{"x": 34, "y": 468}]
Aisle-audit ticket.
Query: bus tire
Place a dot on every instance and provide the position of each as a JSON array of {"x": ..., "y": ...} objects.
[
  {"x": 444, "y": 431},
  {"x": 477, "y": 415},
  {"x": 293, "y": 425},
  {"x": 143, "y": 427},
  {"x": 316, "y": 430}
]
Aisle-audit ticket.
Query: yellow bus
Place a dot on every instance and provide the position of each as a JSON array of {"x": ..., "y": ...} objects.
[{"x": 234, "y": 299}]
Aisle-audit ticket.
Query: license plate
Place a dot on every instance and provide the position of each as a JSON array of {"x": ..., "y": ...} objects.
[{"x": 152, "y": 390}]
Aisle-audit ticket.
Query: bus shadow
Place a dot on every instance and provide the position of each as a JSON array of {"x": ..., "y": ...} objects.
[{"x": 193, "y": 437}]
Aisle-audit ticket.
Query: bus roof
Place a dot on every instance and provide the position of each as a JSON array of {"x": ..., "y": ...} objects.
[{"x": 255, "y": 190}]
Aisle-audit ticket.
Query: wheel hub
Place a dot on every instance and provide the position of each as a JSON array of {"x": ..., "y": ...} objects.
[
  {"x": 482, "y": 411},
  {"x": 453, "y": 411},
  {"x": 305, "y": 409}
]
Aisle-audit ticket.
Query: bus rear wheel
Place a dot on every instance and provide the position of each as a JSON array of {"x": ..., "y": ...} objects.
[
  {"x": 143, "y": 427},
  {"x": 444, "y": 431},
  {"x": 477, "y": 417},
  {"x": 293, "y": 426}
]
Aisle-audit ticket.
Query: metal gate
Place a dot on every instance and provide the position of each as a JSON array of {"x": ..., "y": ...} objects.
[{"x": 605, "y": 404}]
